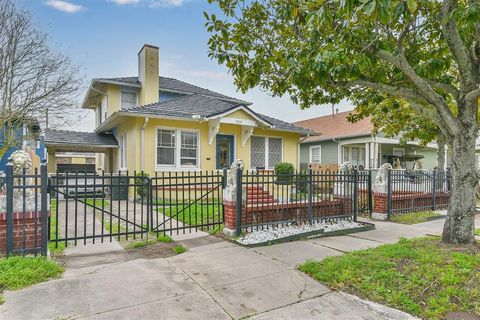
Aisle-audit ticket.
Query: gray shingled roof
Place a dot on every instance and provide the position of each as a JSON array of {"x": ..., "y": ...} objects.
[
  {"x": 80, "y": 138},
  {"x": 174, "y": 85},
  {"x": 198, "y": 105}
]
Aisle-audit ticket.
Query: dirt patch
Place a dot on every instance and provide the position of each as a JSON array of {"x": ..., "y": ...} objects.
[
  {"x": 461, "y": 316},
  {"x": 468, "y": 249},
  {"x": 153, "y": 251}
]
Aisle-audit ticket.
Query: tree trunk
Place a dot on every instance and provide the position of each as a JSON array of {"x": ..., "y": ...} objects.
[
  {"x": 441, "y": 153},
  {"x": 460, "y": 223}
]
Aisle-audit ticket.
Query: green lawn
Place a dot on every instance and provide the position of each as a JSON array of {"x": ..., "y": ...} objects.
[
  {"x": 413, "y": 217},
  {"x": 193, "y": 215},
  {"x": 420, "y": 276},
  {"x": 19, "y": 272}
]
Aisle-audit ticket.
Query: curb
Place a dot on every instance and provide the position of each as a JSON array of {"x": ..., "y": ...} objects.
[{"x": 309, "y": 235}]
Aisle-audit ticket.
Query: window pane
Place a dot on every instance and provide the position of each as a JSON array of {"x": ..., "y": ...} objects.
[
  {"x": 129, "y": 99},
  {"x": 315, "y": 154},
  {"x": 166, "y": 156},
  {"x": 166, "y": 138},
  {"x": 166, "y": 147},
  {"x": 189, "y": 140},
  {"x": 274, "y": 152},
  {"x": 188, "y": 149},
  {"x": 345, "y": 154},
  {"x": 257, "y": 152}
]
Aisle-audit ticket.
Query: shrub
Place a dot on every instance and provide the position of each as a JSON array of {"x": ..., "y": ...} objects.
[
  {"x": 284, "y": 172},
  {"x": 141, "y": 182}
]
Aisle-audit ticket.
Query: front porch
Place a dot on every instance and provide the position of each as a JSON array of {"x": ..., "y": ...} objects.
[{"x": 371, "y": 153}]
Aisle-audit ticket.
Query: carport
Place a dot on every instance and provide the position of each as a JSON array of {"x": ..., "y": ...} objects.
[{"x": 75, "y": 141}]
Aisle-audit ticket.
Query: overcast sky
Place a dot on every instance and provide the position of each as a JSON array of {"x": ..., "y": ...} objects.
[{"x": 104, "y": 37}]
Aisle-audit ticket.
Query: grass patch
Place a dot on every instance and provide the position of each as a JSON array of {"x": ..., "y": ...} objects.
[
  {"x": 477, "y": 232},
  {"x": 195, "y": 214},
  {"x": 413, "y": 217},
  {"x": 179, "y": 249},
  {"x": 216, "y": 229},
  {"x": 55, "y": 248},
  {"x": 164, "y": 238},
  {"x": 144, "y": 243},
  {"x": 420, "y": 276},
  {"x": 19, "y": 272},
  {"x": 139, "y": 244}
]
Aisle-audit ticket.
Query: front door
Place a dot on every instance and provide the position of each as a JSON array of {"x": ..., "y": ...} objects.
[{"x": 225, "y": 151}]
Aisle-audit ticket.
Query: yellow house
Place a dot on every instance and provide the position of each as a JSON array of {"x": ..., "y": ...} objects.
[{"x": 164, "y": 124}]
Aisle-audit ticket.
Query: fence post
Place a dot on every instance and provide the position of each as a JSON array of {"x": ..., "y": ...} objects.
[
  {"x": 310, "y": 194},
  {"x": 355, "y": 194},
  {"x": 434, "y": 190},
  {"x": 44, "y": 204},
  {"x": 150, "y": 205},
  {"x": 238, "y": 225},
  {"x": 389, "y": 193},
  {"x": 370, "y": 202},
  {"x": 9, "y": 183}
]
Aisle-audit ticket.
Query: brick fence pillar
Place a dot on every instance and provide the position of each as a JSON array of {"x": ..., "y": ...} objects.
[
  {"x": 380, "y": 206},
  {"x": 22, "y": 240}
]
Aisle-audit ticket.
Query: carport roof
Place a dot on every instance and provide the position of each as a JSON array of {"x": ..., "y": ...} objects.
[{"x": 76, "y": 140}]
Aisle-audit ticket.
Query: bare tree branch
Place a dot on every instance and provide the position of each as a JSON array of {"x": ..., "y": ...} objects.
[{"x": 34, "y": 78}]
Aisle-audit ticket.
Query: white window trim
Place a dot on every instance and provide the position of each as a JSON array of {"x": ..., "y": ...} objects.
[
  {"x": 319, "y": 146},
  {"x": 128, "y": 91},
  {"x": 177, "y": 166},
  {"x": 266, "y": 150}
]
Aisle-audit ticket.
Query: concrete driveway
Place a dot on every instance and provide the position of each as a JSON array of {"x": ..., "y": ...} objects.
[{"x": 213, "y": 280}]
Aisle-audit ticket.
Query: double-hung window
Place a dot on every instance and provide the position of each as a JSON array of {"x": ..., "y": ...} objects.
[
  {"x": 177, "y": 149},
  {"x": 129, "y": 99},
  {"x": 265, "y": 152}
]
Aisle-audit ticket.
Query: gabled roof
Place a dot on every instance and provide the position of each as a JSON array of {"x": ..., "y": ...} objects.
[
  {"x": 172, "y": 85},
  {"x": 201, "y": 108},
  {"x": 65, "y": 137},
  {"x": 336, "y": 126}
]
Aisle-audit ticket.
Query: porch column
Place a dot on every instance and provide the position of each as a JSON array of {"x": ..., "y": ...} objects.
[
  {"x": 51, "y": 164},
  {"x": 368, "y": 165}
]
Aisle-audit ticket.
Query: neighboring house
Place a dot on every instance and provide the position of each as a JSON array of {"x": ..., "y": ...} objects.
[
  {"x": 75, "y": 158},
  {"x": 154, "y": 123},
  {"x": 340, "y": 141},
  {"x": 26, "y": 137}
]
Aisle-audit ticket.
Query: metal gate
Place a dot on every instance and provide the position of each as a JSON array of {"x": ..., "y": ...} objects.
[
  {"x": 187, "y": 201},
  {"x": 91, "y": 208}
]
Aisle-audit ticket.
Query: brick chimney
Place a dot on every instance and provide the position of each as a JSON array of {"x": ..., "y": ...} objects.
[{"x": 148, "y": 70}]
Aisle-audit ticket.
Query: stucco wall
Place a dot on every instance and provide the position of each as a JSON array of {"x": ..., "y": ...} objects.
[{"x": 207, "y": 151}]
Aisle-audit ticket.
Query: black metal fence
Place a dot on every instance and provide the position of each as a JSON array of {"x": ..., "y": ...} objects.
[
  {"x": 268, "y": 198},
  {"x": 417, "y": 191},
  {"x": 187, "y": 201},
  {"x": 26, "y": 211},
  {"x": 89, "y": 208}
]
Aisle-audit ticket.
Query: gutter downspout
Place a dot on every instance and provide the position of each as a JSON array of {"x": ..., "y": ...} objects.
[{"x": 142, "y": 143}]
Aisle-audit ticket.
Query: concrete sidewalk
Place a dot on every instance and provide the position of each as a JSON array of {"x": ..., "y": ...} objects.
[{"x": 213, "y": 280}]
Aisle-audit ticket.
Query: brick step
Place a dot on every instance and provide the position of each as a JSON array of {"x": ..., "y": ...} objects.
[{"x": 265, "y": 193}]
